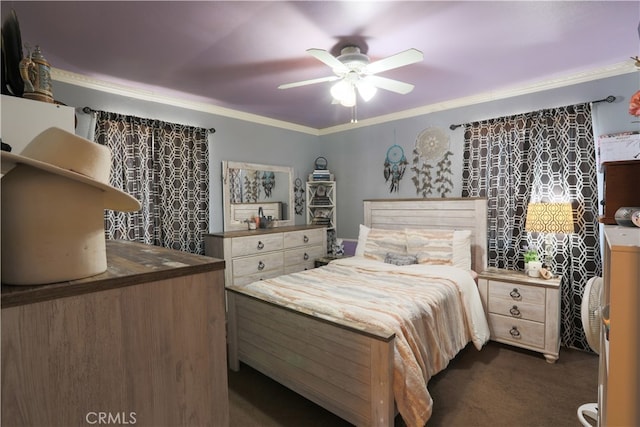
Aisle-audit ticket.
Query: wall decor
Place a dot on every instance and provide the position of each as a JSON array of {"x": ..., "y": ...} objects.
[
  {"x": 444, "y": 184},
  {"x": 432, "y": 146},
  {"x": 298, "y": 190},
  {"x": 394, "y": 167}
]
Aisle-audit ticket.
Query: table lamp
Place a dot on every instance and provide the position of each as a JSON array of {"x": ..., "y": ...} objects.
[{"x": 549, "y": 218}]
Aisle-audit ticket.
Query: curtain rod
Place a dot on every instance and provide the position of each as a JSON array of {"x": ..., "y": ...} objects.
[
  {"x": 608, "y": 99},
  {"x": 89, "y": 110}
]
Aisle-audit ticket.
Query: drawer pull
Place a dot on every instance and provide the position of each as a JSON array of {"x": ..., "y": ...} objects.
[
  {"x": 260, "y": 244},
  {"x": 515, "y": 332},
  {"x": 515, "y": 311},
  {"x": 261, "y": 265},
  {"x": 515, "y": 294},
  {"x": 306, "y": 256},
  {"x": 305, "y": 239}
]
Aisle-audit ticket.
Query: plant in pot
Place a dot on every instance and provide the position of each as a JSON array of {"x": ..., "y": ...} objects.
[{"x": 530, "y": 255}]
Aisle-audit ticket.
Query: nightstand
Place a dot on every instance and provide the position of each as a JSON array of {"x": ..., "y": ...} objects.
[{"x": 522, "y": 311}]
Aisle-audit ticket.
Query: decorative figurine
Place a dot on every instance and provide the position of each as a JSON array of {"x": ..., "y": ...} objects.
[{"x": 36, "y": 74}]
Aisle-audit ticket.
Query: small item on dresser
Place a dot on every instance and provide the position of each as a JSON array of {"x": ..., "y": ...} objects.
[
  {"x": 545, "y": 274},
  {"x": 54, "y": 194},
  {"x": 534, "y": 268},
  {"x": 624, "y": 216},
  {"x": 635, "y": 218}
]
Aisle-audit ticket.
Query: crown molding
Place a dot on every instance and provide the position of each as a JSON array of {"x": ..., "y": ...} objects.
[
  {"x": 149, "y": 95},
  {"x": 175, "y": 101},
  {"x": 617, "y": 69}
]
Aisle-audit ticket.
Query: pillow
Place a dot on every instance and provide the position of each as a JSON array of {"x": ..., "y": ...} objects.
[
  {"x": 400, "y": 259},
  {"x": 440, "y": 247},
  {"x": 381, "y": 241},
  {"x": 362, "y": 240}
]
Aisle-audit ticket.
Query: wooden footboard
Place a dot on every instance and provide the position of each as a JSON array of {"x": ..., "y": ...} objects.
[{"x": 346, "y": 371}]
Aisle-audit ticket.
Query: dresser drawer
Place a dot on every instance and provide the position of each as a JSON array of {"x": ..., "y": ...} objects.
[
  {"x": 516, "y": 331},
  {"x": 516, "y": 292},
  {"x": 250, "y": 245},
  {"x": 305, "y": 257},
  {"x": 517, "y": 309},
  {"x": 303, "y": 237},
  {"x": 257, "y": 264},
  {"x": 243, "y": 280}
]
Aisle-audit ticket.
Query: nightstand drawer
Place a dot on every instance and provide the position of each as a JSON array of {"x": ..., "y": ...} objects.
[
  {"x": 516, "y": 292},
  {"x": 516, "y": 331},
  {"x": 516, "y": 309}
]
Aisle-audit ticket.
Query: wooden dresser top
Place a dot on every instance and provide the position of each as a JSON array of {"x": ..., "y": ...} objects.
[
  {"x": 129, "y": 263},
  {"x": 241, "y": 233}
]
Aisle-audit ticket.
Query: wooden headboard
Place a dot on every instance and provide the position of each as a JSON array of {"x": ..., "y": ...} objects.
[{"x": 446, "y": 213}]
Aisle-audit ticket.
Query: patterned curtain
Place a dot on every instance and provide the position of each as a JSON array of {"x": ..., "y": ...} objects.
[
  {"x": 546, "y": 156},
  {"x": 165, "y": 166}
]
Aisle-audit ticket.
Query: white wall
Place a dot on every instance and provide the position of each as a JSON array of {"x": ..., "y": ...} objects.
[
  {"x": 356, "y": 157},
  {"x": 367, "y": 147}
]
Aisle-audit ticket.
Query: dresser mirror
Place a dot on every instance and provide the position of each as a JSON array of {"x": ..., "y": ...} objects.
[{"x": 248, "y": 187}]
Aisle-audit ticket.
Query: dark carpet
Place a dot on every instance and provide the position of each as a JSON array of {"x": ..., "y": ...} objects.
[{"x": 498, "y": 386}]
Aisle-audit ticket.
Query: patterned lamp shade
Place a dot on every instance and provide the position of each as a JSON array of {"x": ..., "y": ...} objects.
[{"x": 549, "y": 218}]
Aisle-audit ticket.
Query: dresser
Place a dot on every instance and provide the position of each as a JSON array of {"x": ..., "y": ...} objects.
[
  {"x": 619, "y": 371},
  {"x": 254, "y": 255},
  {"x": 522, "y": 311},
  {"x": 143, "y": 343}
]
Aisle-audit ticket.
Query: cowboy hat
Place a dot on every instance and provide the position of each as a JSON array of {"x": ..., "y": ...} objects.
[
  {"x": 66, "y": 154},
  {"x": 53, "y": 198}
]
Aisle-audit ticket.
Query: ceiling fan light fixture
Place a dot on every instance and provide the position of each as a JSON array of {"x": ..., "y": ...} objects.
[
  {"x": 366, "y": 89},
  {"x": 349, "y": 100},
  {"x": 344, "y": 92}
]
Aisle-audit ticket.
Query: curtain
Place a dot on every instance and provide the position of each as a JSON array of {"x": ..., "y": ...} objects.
[
  {"x": 166, "y": 167},
  {"x": 543, "y": 156}
]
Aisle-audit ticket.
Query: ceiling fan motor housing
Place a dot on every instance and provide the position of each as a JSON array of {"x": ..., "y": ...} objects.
[{"x": 353, "y": 58}]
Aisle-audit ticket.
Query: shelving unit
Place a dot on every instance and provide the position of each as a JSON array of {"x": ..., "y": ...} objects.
[{"x": 321, "y": 208}]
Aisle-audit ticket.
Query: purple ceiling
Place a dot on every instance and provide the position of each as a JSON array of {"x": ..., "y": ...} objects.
[{"x": 236, "y": 54}]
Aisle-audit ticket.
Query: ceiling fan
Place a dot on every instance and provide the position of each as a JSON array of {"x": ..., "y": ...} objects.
[{"x": 355, "y": 72}]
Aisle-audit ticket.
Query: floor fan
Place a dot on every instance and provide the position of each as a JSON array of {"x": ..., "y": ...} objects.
[{"x": 591, "y": 315}]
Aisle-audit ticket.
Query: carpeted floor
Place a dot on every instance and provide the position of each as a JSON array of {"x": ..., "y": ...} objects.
[{"x": 498, "y": 386}]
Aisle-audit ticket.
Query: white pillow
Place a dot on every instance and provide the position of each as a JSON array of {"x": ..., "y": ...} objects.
[
  {"x": 362, "y": 240},
  {"x": 462, "y": 249}
]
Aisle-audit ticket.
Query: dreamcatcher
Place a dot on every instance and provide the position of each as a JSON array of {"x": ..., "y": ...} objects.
[
  {"x": 394, "y": 166},
  {"x": 432, "y": 146}
]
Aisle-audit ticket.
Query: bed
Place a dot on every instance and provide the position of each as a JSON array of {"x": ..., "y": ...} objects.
[{"x": 358, "y": 358}]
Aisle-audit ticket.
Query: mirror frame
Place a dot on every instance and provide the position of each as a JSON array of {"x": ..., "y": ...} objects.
[{"x": 230, "y": 224}]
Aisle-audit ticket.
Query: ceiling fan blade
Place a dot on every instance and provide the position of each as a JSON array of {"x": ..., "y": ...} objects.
[
  {"x": 390, "y": 84},
  {"x": 409, "y": 56},
  {"x": 327, "y": 58},
  {"x": 308, "y": 82}
]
